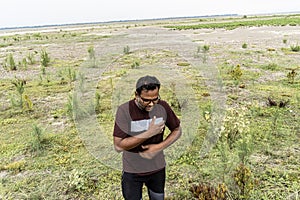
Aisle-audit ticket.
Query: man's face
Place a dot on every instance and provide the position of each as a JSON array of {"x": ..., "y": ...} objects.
[{"x": 148, "y": 98}]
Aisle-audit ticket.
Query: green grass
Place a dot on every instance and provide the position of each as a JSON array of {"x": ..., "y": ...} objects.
[{"x": 292, "y": 20}]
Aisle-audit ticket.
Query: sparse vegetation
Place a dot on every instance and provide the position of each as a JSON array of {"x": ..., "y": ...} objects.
[
  {"x": 126, "y": 50},
  {"x": 20, "y": 88},
  {"x": 44, "y": 57},
  {"x": 9, "y": 63},
  {"x": 243, "y": 22},
  {"x": 256, "y": 155},
  {"x": 92, "y": 56},
  {"x": 295, "y": 48},
  {"x": 291, "y": 75}
]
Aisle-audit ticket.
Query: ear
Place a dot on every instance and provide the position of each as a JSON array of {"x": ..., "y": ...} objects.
[{"x": 136, "y": 94}]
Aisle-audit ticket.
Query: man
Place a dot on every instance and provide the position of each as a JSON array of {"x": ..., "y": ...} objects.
[{"x": 138, "y": 133}]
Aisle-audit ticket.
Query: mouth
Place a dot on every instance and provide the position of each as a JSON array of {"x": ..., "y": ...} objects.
[{"x": 148, "y": 108}]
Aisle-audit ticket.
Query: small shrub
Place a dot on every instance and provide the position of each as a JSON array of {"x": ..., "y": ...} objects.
[
  {"x": 92, "y": 56},
  {"x": 135, "y": 64},
  {"x": 91, "y": 51},
  {"x": 203, "y": 49},
  {"x": 295, "y": 48},
  {"x": 74, "y": 109},
  {"x": 10, "y": 62},
  {"x": 208, "y": 191},
  {"x": 81, "y": 181},
  {"x": 244, "y": 46},
  {"x": 236, "y": 72},
  {"x": 28, "y": 103},
  {"x": 30, "y": 58},
  {"x": 284, "y": 41},
  {"x": 235, "y": 126},
  {"x": 19, "y": 85},
  {"x": 45, "y": 59},
  {"x": 36, "y": 139},
  {"x": 23, "y": 63},
  {"x": 126, "y": 50},
  {"x": 71, "y": 75},
  {"x": 291, "y": 76},
  {"x": 97, "y": 103},
  {"x": 243, "y": 178}
]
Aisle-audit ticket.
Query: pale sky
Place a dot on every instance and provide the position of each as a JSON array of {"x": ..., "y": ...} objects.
[{"x": 15, "y": 13}]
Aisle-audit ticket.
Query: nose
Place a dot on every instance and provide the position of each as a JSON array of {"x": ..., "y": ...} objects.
[{"x": 151, "y": 103}]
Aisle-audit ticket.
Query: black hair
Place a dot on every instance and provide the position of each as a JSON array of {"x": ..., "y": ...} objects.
[
  {"x": 147, "y": 83},
  {"x": 150, "y": 86}
]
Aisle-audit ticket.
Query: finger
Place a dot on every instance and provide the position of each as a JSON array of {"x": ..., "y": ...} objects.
[
  {"x": 153, "y": 120},
  {"x": 145, "y": 146}
]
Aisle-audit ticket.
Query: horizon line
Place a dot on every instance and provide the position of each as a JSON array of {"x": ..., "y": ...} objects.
[{"x": 132, "y": 20}]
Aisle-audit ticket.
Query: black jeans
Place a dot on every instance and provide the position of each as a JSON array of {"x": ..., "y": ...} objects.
[{"x": 132, "y": 185}]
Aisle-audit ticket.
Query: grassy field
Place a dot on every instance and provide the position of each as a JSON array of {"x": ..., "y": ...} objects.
[{"x": 235, "y": 86}]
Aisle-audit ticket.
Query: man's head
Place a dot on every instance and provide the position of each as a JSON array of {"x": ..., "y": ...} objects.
[{"x": 147, "y": 92}]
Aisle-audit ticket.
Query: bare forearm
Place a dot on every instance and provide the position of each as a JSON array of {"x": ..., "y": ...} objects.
[
  {"x": 128, "y": 143},
  {"x": 131, "y": 142},
  {"x": 172, "y": 137}
]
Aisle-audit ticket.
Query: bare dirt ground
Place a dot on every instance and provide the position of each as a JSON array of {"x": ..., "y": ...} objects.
[{"x": 220, "y": 40}]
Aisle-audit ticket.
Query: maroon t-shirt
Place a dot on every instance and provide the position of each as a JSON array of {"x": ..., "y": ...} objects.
[{"x": 130, "y": 121}]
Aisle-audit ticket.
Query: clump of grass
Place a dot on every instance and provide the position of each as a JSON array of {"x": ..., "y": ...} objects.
[
  {"x": 135, "y": 64},
  {"x": 202, "y": 51},
  {"x": 28, "y": 103},
  {"x": 19, "y": 85},
  {"x": 45, "y": 59},
  {"x": 272, "y": 67},
  {"x": 243, "y": 178},
  {"x": 31, "y": 59},
  {"x": 208, "y": 191},
  {"x": 75, "y": 110},
  {"x": 81, "y": 181},
  {"x": 291, "y": 75},
  {"x": 205, "y": 48},
  {"x": 36, "y": 139},
  {"x": 23, "y": 64},
  {"x": 72, "y": 75},
  {"x": 67, "y": 75},
  {"x": 9, "y": 63},
  {"x": 92, "y": 56},
  {"x": 284, "y": 41},
  {"x": 126, "y": 50},
  {"x": 295, "y": 48}
]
